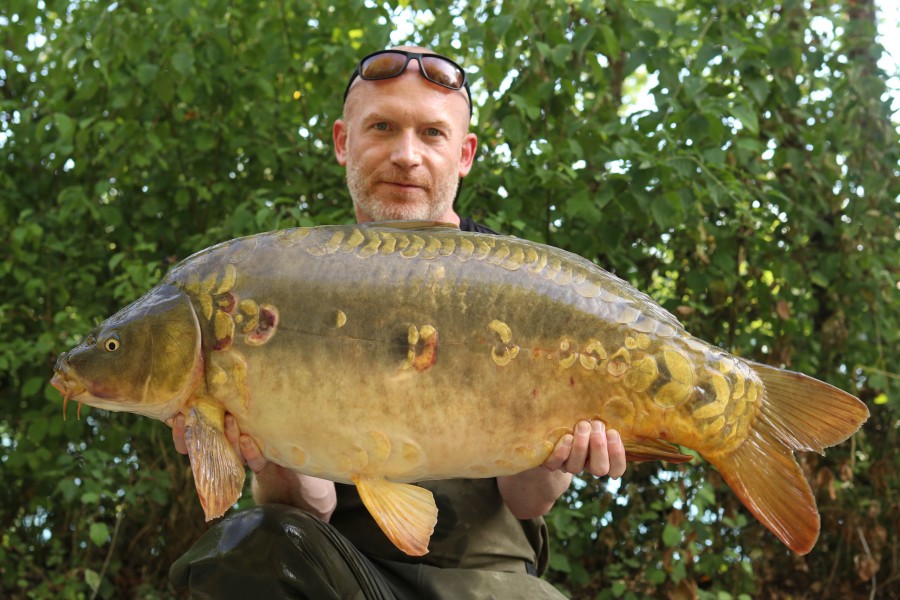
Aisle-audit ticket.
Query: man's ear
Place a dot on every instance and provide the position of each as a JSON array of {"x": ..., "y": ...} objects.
[
  {"x": 467, "y": 154},
  {"x": 339, "y": 135}
]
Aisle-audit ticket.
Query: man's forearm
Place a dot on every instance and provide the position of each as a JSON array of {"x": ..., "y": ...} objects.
[
  {"x": 275, "y": 484},
  {"x": 532, "y": 493}
]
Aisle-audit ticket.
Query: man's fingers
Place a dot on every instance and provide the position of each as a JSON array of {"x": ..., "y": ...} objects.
[
  {"x": 589, "y": 448},
  {"x": 560, "y": 453},
  {"x": 255, "y": 459},
  {"x": 178, "y": 434},
  {"x": 244, "y": 445},
  {"x": 580, "y": 445},
  {"x": 232, "y": 431},
  {"x": 233, "y": 434},
  {"x": 616, "y": 454},
  {"x": 599, "y": 456}
]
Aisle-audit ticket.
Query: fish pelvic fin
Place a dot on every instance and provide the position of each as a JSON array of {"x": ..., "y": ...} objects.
[
  {"x": 218, "y": 471},
  {"x": 797, "y": 413},
  {"x": 405, "y": 513}
]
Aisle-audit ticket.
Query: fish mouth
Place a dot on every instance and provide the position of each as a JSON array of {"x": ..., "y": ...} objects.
[{"x": 69, "y": 387}]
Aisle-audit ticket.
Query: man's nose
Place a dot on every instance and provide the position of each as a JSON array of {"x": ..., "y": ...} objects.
[{"x": 407, "y": 152}]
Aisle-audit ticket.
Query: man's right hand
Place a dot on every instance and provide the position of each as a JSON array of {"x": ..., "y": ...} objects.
[
  {"x": 244, "y": 445},
  {"x": 272, "y": 483}
]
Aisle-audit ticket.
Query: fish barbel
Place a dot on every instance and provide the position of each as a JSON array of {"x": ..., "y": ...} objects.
[{"x": 393, "y": 353}]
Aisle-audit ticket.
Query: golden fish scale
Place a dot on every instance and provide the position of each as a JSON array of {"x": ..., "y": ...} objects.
[{"x": 544, "y": 335}]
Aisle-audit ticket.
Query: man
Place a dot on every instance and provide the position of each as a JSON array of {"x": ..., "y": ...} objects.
[{"x": 405, "y": 142}]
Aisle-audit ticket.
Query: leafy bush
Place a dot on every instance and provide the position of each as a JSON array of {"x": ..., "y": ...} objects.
[{"x": 735, "y": 160}]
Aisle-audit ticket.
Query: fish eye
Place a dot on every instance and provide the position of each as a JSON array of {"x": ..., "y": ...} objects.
[{"x": 112, "y": 343}]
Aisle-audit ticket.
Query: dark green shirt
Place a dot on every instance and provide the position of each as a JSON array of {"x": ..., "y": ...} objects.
[{"x": 475, "y": 529}]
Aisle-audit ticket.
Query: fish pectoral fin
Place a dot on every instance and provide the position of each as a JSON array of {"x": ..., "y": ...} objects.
[
  {"x": 645, "y": 449},
  {"x": 218, "y": 470},
  {"x": 406, "y": 513}
]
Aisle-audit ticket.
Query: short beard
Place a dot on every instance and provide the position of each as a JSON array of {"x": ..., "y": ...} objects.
[{"x": 442, "y": 195}]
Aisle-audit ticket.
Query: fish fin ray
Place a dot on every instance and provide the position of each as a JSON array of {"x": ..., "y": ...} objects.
[
  {"x": 766, "y": 477},
  {"x": 406, "y": 513},
  {"x": 645, "y": 449},
  {"x": 808, "y": 414},
  {"x": 218, "y": 471}
]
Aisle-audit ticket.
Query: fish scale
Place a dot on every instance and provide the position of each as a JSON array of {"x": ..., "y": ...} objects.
[{"x": 386, "y": 354}]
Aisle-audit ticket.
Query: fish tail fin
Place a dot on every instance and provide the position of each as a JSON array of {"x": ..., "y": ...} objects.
[
  {"x": 797, "y": 413},
  {"x": 805, "y": 413}
]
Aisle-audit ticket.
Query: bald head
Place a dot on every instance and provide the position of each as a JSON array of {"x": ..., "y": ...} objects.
[{"x": 428, "y": 70}]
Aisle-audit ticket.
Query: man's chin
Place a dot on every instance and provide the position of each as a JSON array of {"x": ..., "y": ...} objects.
[{"x": 397, "y": 211}]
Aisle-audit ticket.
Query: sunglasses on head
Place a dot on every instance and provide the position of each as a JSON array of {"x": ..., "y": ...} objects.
[{"x": 386, "y": 64}]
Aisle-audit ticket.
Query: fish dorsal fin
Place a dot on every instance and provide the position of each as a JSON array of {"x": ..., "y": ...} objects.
[
  {"x": 413, "y": 225},
  {"x": 218, "y": 472},
  {"x": 644, "y": 449},
  {"x": 406, "y": 513}
]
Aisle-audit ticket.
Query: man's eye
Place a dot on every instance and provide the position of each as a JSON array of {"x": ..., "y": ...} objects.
[
  {"x": 433, "y": 131},
  {"x": 381, "y": 126}
]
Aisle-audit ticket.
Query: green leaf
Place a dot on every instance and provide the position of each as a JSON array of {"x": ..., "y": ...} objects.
[
  {"x": 747, "y": 117},
  {"x": 559, "y": 562},
  {"x": 37, "y": 431},
  {"x": 667, "y": 210},
  {"x": 32, "y": 386},
  {"x": 697, "y": 127},
  {"x": 583, "y": 38},
  {"x": 183, "y": 62},
  {"x": 66, "y": 128},
  {"x": 671, "y": 535},
  {"x": 561, "y": 53},
  {"x": 663, "y": 18},
  {"x": 514, "y": 129},
  {"x": 99, "y": 533},
  {"x": 92, "y": 579},
  {"x": 656, "y": 576},
  {"x": 610, "y": 41},
  {"x": 146, "y": 73},
  {"x": 759, "y": 88},
  {"x": 679, "y": 572},
  {"x": 819, "y": 279}
]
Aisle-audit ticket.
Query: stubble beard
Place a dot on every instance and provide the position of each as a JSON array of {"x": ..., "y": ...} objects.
[{"x": 438, "y": 203}]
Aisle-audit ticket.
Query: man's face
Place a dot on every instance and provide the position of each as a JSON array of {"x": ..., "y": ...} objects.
[{"x": 405, "y": 144}]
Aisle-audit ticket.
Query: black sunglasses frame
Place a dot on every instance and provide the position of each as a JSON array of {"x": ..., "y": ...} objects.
[{"x": 418, "y": 56}]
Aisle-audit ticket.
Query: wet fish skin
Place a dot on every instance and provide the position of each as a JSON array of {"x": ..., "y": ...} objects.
[{"x": 387, "y": 354}]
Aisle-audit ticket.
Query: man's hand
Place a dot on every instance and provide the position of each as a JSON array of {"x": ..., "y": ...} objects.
[
  {"x": 592, "y": 449},
  {"x": 589, "y": 449},
  {"x": 272, "y": 483},
  {"x": 244, "y": 445}
]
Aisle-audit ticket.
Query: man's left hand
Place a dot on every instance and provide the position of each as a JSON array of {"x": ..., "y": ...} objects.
[{"x": 590, "y": 448}]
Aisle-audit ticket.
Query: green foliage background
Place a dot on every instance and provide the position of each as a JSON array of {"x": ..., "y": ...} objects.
[{"x": 736, "y": 160}]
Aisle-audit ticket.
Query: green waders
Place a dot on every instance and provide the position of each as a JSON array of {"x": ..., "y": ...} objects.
[{"x": 276, "y": 551}]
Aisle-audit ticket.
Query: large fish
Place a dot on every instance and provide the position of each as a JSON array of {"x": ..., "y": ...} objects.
[{"x": 394, "y": 353}]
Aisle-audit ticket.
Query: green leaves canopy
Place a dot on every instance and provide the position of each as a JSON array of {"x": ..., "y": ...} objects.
[{"x": 735, "y": 160}]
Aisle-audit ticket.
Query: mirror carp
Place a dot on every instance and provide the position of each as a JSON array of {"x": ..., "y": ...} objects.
[{"x": 386, "y": 354}]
